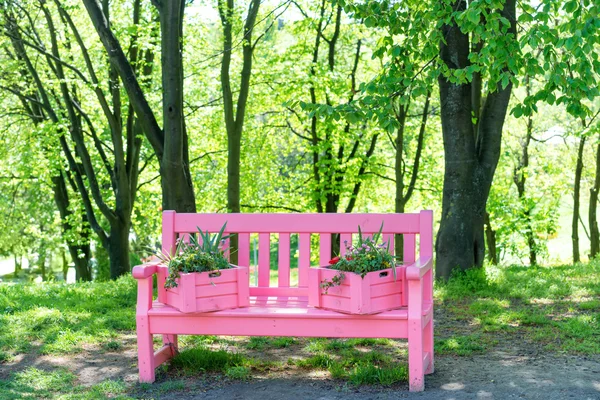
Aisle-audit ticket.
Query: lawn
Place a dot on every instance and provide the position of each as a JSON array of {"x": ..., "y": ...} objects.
[{"x": 46, "y": 330}]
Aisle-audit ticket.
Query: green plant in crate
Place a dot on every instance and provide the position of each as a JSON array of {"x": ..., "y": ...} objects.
[
  {"x": 206, "y": 255},
  {"x": 367, "y": 256}
]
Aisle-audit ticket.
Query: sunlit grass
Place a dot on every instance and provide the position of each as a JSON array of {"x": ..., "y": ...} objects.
[{"x": 553, "y": 306}]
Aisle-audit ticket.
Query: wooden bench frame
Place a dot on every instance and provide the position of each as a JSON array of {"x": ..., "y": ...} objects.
[{"x": 283, "y": 310}]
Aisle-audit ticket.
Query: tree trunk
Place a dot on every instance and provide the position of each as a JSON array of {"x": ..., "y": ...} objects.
[
  {"x": 65, "y": 264},
  {"x": 41, "y": 262},
  {"x": 490, "y": 236},
  {"x": 79, "y": 251},
  {"x": 471, "y": 150},
  {"x": 576, "y": 195},
  {"x": 234, "y": 118},
  {"x": 520, "y": 178},
  {"x": 178, "y": 191},
  {"x": 18, "y": 265},
  {"x": 118, "y": 249},
  {"x": 594, "y": 234},
  {"x": 81, "y": 259}
]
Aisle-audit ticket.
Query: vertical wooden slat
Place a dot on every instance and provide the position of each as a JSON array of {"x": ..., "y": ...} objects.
[
  {"x": 243, "y": 288},
  {"x": 388, "y": 240},
  {"x": 169, "y": 236},
  {"x": 303, "y": 259},
  {"x": 409, "y": 249},
  {"x": 226, "y": 244},
  {"x": 324, "y": 249},
  {"x": 244, "y": 250},
  {"x": 264, "y": 259},
  {"x": 283, "y": 271},
  {"x": 408, "y": 258},
  {"x": 185, "y": 237},
  {"x": 426, "y": 250},
  {"x": 345, "y": 237},
  {"x": 426, "y": 234},
  {"x": 314, "y": 291}
]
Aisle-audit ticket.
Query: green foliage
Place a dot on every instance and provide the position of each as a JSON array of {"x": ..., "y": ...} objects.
[
  {"x": 203, "y": 254},
  {"x": 367, "y": 256}
]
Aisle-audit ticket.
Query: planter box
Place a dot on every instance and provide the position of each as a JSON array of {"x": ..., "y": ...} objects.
[
  {"x": 199, "y": 292},
  {"x": 378, "y": 291}
]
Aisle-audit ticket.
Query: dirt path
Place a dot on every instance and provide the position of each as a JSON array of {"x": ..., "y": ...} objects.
[{"x": 511, "y": 370}]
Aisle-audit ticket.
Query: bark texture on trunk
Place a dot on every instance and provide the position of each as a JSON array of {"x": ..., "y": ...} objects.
[
  {"x": 471, "y": 153},
  {"x": 80, "y": 252},
  {"x": 593, "y": 221},
  {"x": 576, "y": 200},
  {"x": 490, "y": 238},
  {"x": 520, "y": 179},
  {"x": 170, "y": 145},
  {"x": 235, "y": 112},
  {"x": 178, "y": 190},
  {"x": 118, "y": 249}
]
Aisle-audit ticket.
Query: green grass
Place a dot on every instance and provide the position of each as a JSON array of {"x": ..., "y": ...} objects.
[
  {"x": 60, "y": 318},
  {"x": 554, "y": 308},
  {"x": 200, "y": 359}
]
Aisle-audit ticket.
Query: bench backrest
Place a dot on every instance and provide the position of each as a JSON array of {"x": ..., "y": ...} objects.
[{"x": 179, "y": 225}]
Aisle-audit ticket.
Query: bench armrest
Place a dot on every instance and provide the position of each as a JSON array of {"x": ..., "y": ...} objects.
[
  {"x": 419, "y": 268},
  {"x": 145, "y": 270}
]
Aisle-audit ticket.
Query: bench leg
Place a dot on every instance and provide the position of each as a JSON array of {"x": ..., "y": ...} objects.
[
  {"x": 428, "y": 345},
  {"x": 416, "y": 372},
  {"x": 171, "y": 340},
  {"x": 146, "y": 363}
]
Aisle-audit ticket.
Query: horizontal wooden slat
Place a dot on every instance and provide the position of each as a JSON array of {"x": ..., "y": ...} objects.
[
  {"x": 298, "y": 223},
  {"x": 216, "y": 303},
  {"x": 276, "y": 307},
  {"x": 331, "y": 324},
  {"x": 386, "y": 289},
  {"x": 278, "y": 291},
  {"x": 292, "y": 307},
  {"x": 226, "y": 275},
  {"x": 338, "y": 290},
  {"x": 216, "y": 289},
  {"x": 386, "y": 302}
]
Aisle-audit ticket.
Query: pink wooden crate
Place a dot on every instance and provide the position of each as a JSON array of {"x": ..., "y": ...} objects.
[
  {"x": 378, "y": 291},
  {"x": 199, "y": 292}
]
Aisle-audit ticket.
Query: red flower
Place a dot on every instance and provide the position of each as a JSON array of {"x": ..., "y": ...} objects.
[{"x": 334, "y": 260}]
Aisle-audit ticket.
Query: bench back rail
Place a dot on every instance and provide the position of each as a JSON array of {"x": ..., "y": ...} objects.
[{"x": 410, "y": 226}]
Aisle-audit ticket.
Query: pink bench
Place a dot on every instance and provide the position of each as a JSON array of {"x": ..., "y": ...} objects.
[{"x": 282, "y": 310}]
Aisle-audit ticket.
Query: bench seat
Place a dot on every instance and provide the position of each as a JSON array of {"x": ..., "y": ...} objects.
[{"x": 280, "y": 316}]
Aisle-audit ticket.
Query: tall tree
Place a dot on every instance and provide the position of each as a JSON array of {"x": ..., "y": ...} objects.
[
  {"x": 234, "y": 116},
  {"x": 170, "y": 143},
  {"x": 341, "y": 143},
  {"x": 472, "y": 121},
  {"x": 520, "y": 178},
  {"x": 403, "y": 86},
  {"x": 94, "y": 164},
  {"x": 565, "y": 39}
]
